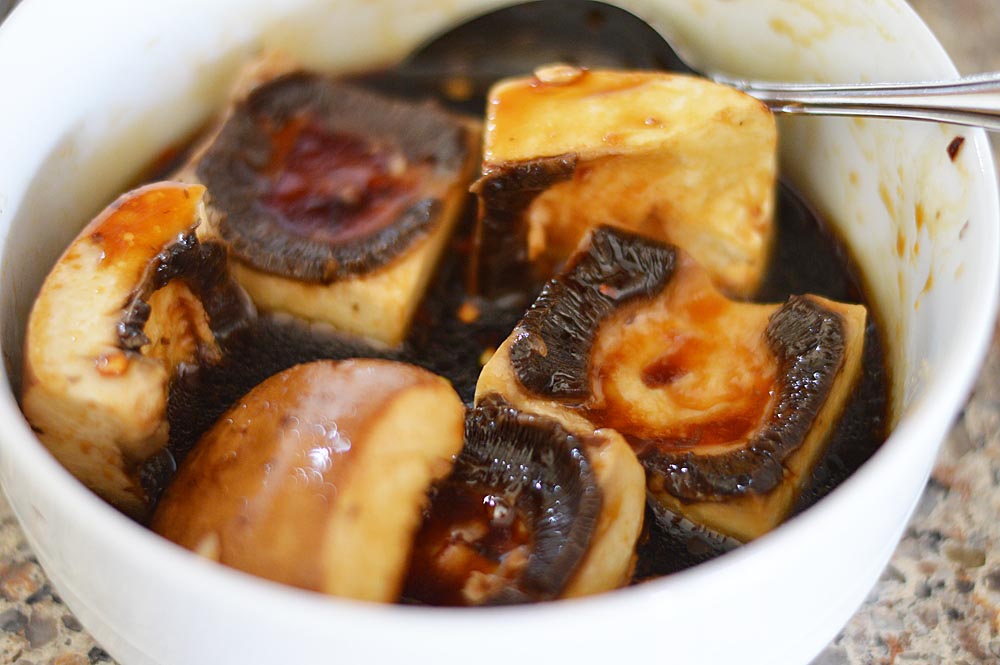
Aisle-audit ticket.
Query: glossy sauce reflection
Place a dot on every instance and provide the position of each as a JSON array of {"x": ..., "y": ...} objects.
[
  {"x": 472, "y": 544},
  {"x": 274, "y": 464},
  {"x": 163, "y": 213}
]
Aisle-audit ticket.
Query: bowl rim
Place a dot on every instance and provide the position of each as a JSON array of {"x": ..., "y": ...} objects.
[{"x": 939, "y": 402}]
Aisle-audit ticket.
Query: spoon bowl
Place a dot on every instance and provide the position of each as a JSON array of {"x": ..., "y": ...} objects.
[
  {"x": 468, "y": 58},
  {"x": 464, "y": 61}
]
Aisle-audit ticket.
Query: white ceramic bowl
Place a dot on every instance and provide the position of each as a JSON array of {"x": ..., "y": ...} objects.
[{"x": 92, "y": 90}]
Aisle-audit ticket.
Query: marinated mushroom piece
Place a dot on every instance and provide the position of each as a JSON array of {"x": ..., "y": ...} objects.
[
  {"x": 727, "y": 404},
  {"x": 336, "y": 202},
  {"x": 611, "y": 556},
  {"x": 317, "y": 478},
  {"x": 530, "y": 512},
  {"x": 135, "y": 299},
  {"x": 676, "y": 158}
]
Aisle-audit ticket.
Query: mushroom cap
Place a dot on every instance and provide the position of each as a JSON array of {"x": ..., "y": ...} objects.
[
  {"x": 318, "y": 476},
  {"x": 514, "y": 520},
  {"x": 318, "y": 180}
]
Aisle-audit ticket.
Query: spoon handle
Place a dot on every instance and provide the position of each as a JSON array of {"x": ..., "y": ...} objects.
[{"x": 973, "y": 101}]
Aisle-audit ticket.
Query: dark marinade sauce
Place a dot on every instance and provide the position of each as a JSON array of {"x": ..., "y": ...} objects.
[{"x": 807, "y": 258}]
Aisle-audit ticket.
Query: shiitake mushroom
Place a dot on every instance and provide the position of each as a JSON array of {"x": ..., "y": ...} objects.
[
  {"x": 727, "y": 404},
  {"x": 551, "y": 347},
  {"x": 530, "y": 512},
  {"x": 336, "y": 202},
  {"x": 677, "y": 158},
  {"x": 133, "y": 301},
  {"x": 318, "y": 476}
]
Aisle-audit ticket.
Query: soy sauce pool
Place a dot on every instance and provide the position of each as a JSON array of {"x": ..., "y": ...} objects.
[{"x": 452, "y": 335}]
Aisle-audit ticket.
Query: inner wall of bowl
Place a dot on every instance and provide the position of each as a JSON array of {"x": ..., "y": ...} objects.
[{"x": 904, "y": 204}]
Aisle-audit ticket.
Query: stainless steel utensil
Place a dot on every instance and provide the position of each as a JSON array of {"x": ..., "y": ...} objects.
[{"x": 514, "y": 40}]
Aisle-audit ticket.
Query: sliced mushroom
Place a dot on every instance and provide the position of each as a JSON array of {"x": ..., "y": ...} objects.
[
  {"x": 611, "y": 556},
  {"x": 530, "y": 512},
  {"x": 336, "y": 202},
  {"x": 677, "y": 158},
  {"x": 727, "y": 404},
  {"x": 318, "y": 476},
  {"x": 133, "y": 300}
]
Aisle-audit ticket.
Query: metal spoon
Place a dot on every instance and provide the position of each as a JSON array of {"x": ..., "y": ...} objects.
[
  {"x": 973, "y": 101},
  {"x": 462, "y": 63}
]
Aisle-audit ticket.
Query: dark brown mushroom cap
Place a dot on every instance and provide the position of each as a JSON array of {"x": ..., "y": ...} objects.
[
  {"x": 202, "y": 267},
  {"x": 537, "y": 472},
  {"x": 317, "y": 180},
  {"x": 505, "y": 193},
  {"x": 808, "y": 342},
  {"x": 552, "y": 343}
]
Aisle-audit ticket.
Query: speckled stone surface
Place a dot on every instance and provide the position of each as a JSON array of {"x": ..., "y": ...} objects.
[{"x": 938, "y": 601}]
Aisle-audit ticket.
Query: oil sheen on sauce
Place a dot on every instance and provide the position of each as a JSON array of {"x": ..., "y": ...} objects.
[{"x": 446, "y": 339}]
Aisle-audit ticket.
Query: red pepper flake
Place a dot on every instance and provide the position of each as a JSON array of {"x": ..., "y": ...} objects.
[{"x": 608, "y": 291}]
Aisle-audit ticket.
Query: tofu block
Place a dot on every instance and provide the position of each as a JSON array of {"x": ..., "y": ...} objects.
[{"x": 676, "y": 158}]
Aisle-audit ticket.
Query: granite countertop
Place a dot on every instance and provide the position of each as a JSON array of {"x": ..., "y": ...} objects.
[{"x": 938, "y": 600}]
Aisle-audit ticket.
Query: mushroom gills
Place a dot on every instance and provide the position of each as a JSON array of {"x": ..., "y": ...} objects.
[
  {"x": 135, "y": 299},
  {"x": 727, "y": 404},
  {"x": 336, "y": 202},
  {"x": 530, "y": 512},
  {"x": 671, "y": 543},
  {"x": 677, "y": 158},
  {"x": 318, "y": 477}
]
